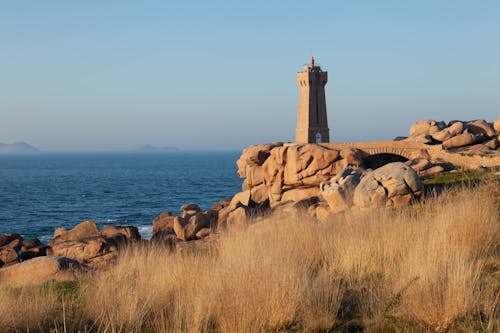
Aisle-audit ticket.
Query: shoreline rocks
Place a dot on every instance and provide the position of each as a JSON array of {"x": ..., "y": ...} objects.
[
  {"x": 42, "y": 269},
  {"x": 83, "y": 243},
  {"x": 192, "y": 224},
  {"x": 14, "y": 248},
  {"x": 86, "y": 244}
]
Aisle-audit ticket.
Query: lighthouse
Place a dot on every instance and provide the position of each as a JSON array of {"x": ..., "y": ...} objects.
[{"x": 312, "y": 122}]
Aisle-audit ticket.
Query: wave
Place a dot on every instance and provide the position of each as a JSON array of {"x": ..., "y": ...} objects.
[
  {"x": 45, "y": 239},
  {"x": 146, "y": 231}
]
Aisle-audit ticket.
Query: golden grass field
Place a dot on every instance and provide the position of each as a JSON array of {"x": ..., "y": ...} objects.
[{"x": 431, "y": 267}]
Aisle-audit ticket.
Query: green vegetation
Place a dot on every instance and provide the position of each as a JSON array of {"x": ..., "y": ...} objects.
[
  {"x": 63, "y": 290},
  {"x": 459, "y": 177}
]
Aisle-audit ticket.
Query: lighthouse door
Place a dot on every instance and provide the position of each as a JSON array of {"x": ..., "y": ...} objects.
[{"x": 318, "y": 137}]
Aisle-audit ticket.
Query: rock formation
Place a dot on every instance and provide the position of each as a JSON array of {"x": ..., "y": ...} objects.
[
  {"x": 496, "y": 125},
  {"x": 279, "y": 178},
  {"x": 191, "y": 224},
  {"x": 86, "y": 244},
  {"x": 392, "y": 185},
  {"x": 42, "y": 269},
  {"x": 457, "y": 134},
  {"x": 14, "y": 248},
  {"x": 338, "y": 192},
  {"x": 283, "y": 172},
  {"x": 426, "y": 127}
]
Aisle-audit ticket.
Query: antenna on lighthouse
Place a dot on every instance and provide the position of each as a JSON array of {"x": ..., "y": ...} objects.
[{"x": 312, "y": 61}]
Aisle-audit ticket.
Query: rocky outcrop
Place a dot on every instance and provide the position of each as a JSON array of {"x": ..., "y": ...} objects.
[
  {"x": 425, "y": 139},
  {"x": 10, "y": 244},
  {"x": 277, "y": 173},
  {"x": 187, "y": 227},
  {"x": 282, "y": 177},
  {"x": 32, "y": 248},
  {"x": 84, "y": 230},
  {"x": 480, "y": 128},
  {"x": 493, "y": 144},
  {"x": 42, "y": 269},
  {"x": 392, "y": 185},
  {"x": 86, "y": 244},
  {"x": 301, "y": 193},
  {"x": 307, "y": 165},
  {"x": 86, "y": 250},
  {"x": 324, "y": 181},
  {"x": 14, "y": 248},
  {"x": 339, "y": 191},
  {"x": 190, "y": 209},
  {"x": 449, "y": 132},
  {"x": 426, "y": 127},
  {"x": 163, "y": 227},
  {"x": 422, "y": 166},
  {"x": 456, "y": 134},
  {"x": 496, "y": 126},
  {"x": 192, "y": 224},
  {"x": 129, "y": 233},
  {"x": 10, "y": 240},
  {"x": 238, "y": 216},
  {"x": 292, "y": 173},
  {"x": 232, "y": 214},
  {"x": 304, "y": 207},
  {"x": 419, "y": 164},
  {"x": 83, "y": 243},
  {"x": 461, "y": 140}
]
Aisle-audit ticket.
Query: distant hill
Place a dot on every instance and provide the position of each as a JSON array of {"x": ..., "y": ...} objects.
[
  {"x": 153, "y": 149},
  {"x": 17, "y": 147}
]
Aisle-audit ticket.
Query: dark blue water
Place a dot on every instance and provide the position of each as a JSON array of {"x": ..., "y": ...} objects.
[{"x": 40, "y": 192}]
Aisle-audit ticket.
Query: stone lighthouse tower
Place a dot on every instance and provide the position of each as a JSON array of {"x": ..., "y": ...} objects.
[{"x": 312, "y": 123}]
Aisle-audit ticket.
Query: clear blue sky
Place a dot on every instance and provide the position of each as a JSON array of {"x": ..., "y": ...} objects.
[{"x": 115, "y": 75}]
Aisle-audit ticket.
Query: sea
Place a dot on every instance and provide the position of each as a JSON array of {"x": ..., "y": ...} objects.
[{"x": 43, "y": 191}]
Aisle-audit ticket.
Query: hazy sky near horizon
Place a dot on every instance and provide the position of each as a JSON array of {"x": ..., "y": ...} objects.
[{"x": 116, "y": 75}]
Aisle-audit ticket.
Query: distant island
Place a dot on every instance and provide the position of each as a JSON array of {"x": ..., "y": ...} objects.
[
  {"x": 153, "y": 149},
  {"x": 17, "y": 147}
]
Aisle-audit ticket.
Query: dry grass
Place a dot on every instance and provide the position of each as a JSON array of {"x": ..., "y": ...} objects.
[{"x": 430, "y": 267}]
